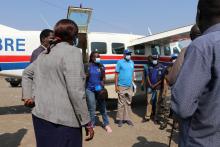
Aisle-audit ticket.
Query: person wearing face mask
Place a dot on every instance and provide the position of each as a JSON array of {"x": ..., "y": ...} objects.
[
  {"x": 153, "y": 76},
  {"x": 123, "y": 86},
  {"x": 94, "y": 84}
]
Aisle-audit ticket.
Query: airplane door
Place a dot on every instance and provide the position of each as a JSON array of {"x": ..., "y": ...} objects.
[{"x": 81, "y": 16}]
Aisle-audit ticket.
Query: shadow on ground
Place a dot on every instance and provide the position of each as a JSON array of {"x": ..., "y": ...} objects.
[
  {"x": 175, "y": 135},
  {"x": 12, "y": 139},
  {"x": 142, "y": 142},
  {"x": 20, "y": 109},
  {"x": 112, "y": 104},
  {"x": 138, "y": 105}
]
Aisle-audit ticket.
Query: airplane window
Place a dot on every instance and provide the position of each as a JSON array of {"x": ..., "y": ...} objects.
[
  {"x": 100, "y": 47},
  {"x": 155, "y": 50},
  {"x": 167, "y": 51},
  {"x": 118, "y": 48},
  {"x": 81, "y": 19},
  {"x": 139, "y": 50},
  {"x": 175, "y": 50}
]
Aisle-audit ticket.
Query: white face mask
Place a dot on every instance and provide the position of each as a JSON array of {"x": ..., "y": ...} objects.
[
  {"x": 154, "y": 62},
  {"x": 128, "y": 57},
  {"x": 97, "y": 60}
]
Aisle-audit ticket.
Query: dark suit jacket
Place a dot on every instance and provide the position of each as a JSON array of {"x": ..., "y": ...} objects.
[{"x": 36, "y": 53}]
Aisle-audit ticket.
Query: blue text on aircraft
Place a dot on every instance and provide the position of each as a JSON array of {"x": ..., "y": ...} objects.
[{"x": 9, "y": 44}]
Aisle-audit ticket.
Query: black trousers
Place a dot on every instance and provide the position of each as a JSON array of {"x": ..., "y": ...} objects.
[{"x": 54, "y": 135}]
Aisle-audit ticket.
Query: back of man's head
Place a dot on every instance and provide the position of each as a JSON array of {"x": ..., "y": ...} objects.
[
  {"x": 195, "y": 32},
  {"x": 208, "y": 13},
  {"x": 209, "y": 7},
  {"x": 44, "y": 34}
]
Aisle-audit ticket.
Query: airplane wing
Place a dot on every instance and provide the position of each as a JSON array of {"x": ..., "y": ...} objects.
[
  {"x": 164, "y": 44},
  {"x": 175, "y": 35}
]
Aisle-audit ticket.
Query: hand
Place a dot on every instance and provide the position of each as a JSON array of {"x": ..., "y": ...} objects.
[
  {"x": 89, "y": 132},
  {"x": 156, "y": 85},
  {"x": 29, "y": 102},
  {"x": 116, "y": 89},
  {"x": 149, "y": 82}
]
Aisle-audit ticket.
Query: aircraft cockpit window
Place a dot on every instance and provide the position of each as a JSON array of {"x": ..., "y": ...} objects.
[
  {"x": 155, "y": 50},
  {"x": 167, "y": 51},
  {"x": 100, "y": 47},
  {"x": 139, "y": 50},
  {"x": 176, "y": 50},
  {"x": 118, "y": 48}
]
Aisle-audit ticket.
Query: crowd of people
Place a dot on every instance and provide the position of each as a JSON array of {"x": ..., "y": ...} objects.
[{"x": 64, "y": 93}]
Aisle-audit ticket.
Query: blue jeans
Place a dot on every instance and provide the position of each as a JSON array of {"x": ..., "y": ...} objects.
[{"x": 91, "y": 102}]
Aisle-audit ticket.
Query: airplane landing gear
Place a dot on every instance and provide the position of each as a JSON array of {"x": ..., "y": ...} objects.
[{"x": 14, "y": 82}]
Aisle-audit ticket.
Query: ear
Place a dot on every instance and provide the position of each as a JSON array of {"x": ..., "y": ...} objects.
[{"x": 43, "y": 40}]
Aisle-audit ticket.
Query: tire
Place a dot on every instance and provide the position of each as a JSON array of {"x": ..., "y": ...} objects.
[{"x": 15, "y": 83}]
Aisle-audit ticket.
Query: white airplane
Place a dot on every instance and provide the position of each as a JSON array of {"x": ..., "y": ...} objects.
[{"x": 17, "y": 46}]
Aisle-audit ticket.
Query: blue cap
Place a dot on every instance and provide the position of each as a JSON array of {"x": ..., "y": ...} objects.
[
  {"x": 127, "y": 51},
  {"x": 155, "y": 56},
  {"x": 174, "y": 56}
]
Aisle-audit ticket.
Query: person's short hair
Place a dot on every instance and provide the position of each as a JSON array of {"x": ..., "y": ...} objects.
[
  {"x": 66, "y": 30},
  {"x": 195, "y": 32},
  {"x": 209, "y": 8},
  {"x": 92, "y": 54},
  {"x": 44, "y": 34}
]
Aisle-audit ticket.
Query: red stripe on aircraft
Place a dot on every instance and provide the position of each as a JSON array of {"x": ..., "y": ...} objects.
[
  {"x": 110, "y": 67},
  {"x": 138, "y": 66},
  {"x": 165, "y": 59},
  {"x": 14, "y": 58},
  {"x": 109, "y": 73},
  {"x": 138, "y": 58},
  {"x": 111, "y": 57},
  {"x": 113, "y": 67},
  {"x": 120, "y": 57}
]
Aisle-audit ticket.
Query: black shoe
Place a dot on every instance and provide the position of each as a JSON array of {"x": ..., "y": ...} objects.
[
  {"x": 163, "y": 126},
  {"x": 176, "y": 126},
  {"x": 120, "y": 123},
  {"x": 156, "y": 122},
  {"x": 130, "y": 123},
  {"x": 144, "y": 120}
]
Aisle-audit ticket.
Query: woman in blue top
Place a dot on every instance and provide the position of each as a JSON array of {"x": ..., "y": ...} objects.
[{"x": 95, "y": 83}]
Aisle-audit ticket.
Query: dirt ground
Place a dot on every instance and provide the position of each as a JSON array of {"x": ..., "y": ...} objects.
[{"x": 16, "y": 128}]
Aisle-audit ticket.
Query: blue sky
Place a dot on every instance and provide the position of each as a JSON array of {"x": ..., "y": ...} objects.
[{"x": 123, "y": 16}]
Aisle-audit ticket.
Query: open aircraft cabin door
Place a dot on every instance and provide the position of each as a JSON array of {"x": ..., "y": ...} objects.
[{"x": 82, "y": 18}]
